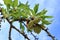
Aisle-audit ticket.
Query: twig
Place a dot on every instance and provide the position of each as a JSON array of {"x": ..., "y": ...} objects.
[
  {"x": 49, "y": 34},
  {"x": 0, "y": 18},
  {"x": 34, "y": 36},
  {"x": 11, "y": 26},
  {"x": 10, "y": 33},
  {"x": 31, "y": 32},
  {"x": 46, "y": 30},
  {"x": 53, "y": 38},
  {"x": 16, "y": 30},
  {"x": 10, "y": 29},
  {"x": 21, "y": 32},
  {"x": 24, "y": 19}
]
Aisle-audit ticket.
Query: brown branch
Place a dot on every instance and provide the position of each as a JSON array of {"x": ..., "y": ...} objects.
[
  {"x": 10, "y": 33},
  {"x": 24, "y": 19},
  {"x": 11, "y": 26},
  {"x": 31, "y": 32},
  {"x": 10, "y": 29},
  {"x": 34, "y": 36},
  {"x": 46, "y": 30},
  {"x": 16, "y": 30},
  {"x": 0, "y": 18},
  {"x": 49, "y": 34},
  {"x": 53, "y": 38},
  {"x": 21, "y": 33}
]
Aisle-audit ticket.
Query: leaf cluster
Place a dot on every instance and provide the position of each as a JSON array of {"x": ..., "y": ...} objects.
[{"x": 15, "y": 10}]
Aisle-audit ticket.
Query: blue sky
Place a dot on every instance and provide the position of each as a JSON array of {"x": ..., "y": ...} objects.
[{"x": 53, "y": 8}]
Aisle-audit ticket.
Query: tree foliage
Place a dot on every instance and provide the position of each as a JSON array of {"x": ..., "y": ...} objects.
[{"x": 15, "y": 11}]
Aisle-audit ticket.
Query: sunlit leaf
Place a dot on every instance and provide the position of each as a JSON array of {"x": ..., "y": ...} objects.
[
  {"x": 15, "y": 3},
  {"x": 32, "y": 12},
  {"x": 36, "y": 8},
  {"x": 7, "y": 2},
  {"x": 24, "y": 9},
  {"x": 46, "y": 22},
  {"x": 48, "y": 16},
  {"x": 16, "y": 11},
  {"x": 42, "y": 13},
  {"x": 5, "y": 14},
  {"x": 22, "y": 6},
  {"x": 24, "y": 14}
]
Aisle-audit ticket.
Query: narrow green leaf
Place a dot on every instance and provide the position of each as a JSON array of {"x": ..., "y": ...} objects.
[
  {"x": 23, "y": 6},
  {"x": 36, "y": 8},
  {"x": 48, "y": 16},
  {"x": 22, "y": 27},
  {"x": 5, "y": 14},
  {"x": 7, "y": 2},
  {"x": 44, "y": 17},
  {"x": 42, "y": 13},
  {"x": 46, "y": 22},
  {"x": 27, "y": 3},
  {"x": 32, "y": 12}
]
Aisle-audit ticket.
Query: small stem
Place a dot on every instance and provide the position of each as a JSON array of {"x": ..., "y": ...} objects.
[
  {"x": 24, "y": 19},
  {"x": 34, "y": 36},
  {"x": 10, "y": 33},
  {"x": 31, "y": 32},
  {"x": 53, "y": 38},
  {"x": 46, "y": 30},
  {"x": 21, "y": 32},
  {"x": 10, "y": 29},
  {"x": 16, "y": 30}
]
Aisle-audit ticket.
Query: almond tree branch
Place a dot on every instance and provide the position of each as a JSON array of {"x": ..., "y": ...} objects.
[
  {"x": 11, "y": 26},
  {"x": 16, "y": 30},
  {"x": 10, "y": 33},
  {"x": 21, "y": 33},
  {"x": 24, "y": 19},
  {"x": 34, "y": 36},
  {"x": 10, "y": 29},
  {"x": 49, "y": 34},
  {"x": 46, "y": 30},
  {"x": 31, "y": 32}
]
